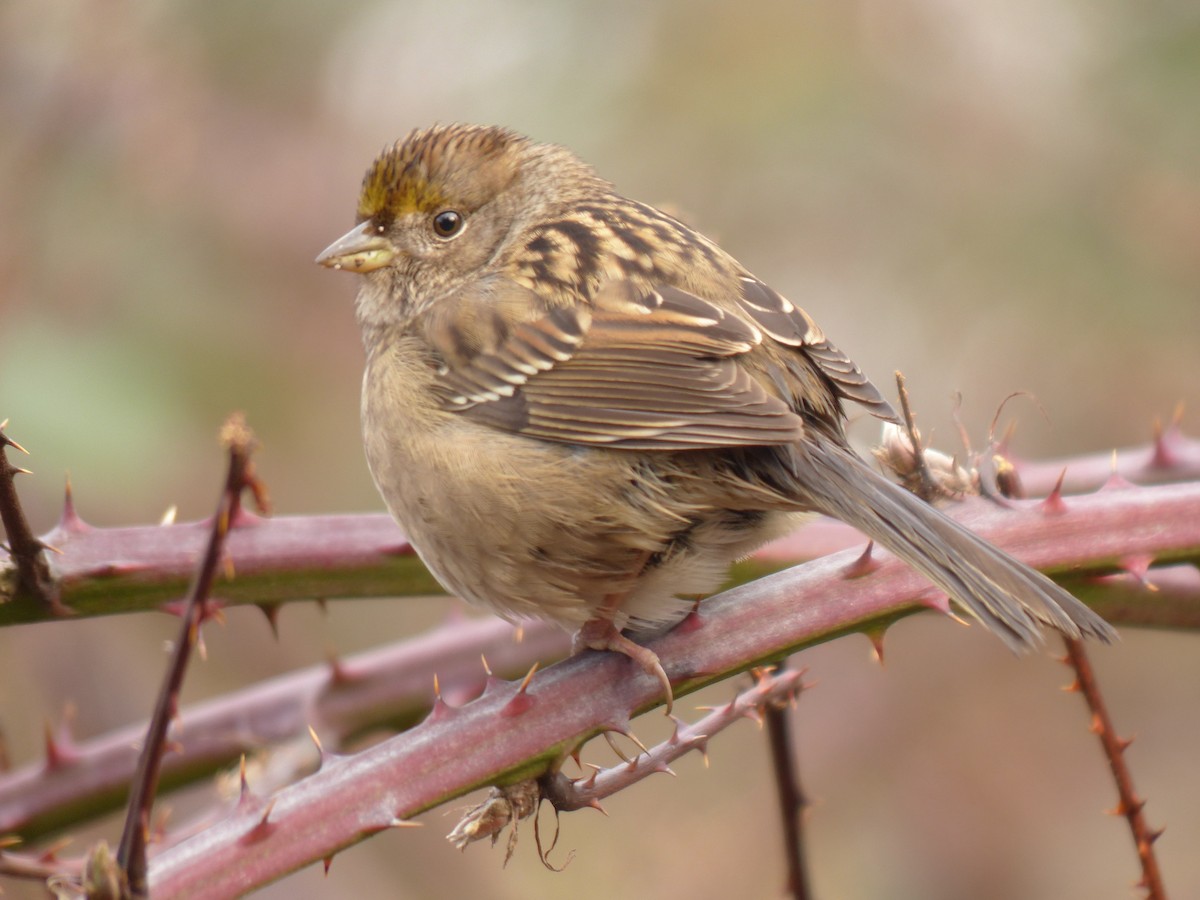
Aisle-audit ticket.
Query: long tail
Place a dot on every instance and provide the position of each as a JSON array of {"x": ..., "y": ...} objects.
[{"x": 1007, "y": 596}]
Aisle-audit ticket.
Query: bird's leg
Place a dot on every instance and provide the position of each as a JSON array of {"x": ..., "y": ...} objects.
[{"x": 599, "y": 633}]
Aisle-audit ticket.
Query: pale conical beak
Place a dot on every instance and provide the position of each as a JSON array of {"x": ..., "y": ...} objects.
[{"x": 362, "y": 249}]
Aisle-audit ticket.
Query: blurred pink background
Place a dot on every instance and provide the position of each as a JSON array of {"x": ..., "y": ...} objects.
[{"x": 991, "y": 197}]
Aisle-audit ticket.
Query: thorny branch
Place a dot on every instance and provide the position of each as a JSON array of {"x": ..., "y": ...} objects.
[
  {"x": 785, "y": 764},
  {"x": 770, "y": 688},
  {"x": 111, "y": 570},
  {"x": 1111, "y": 525},
  {"x": 1129, "y": 804},
  {"x": 239, "y": 442},
  {"x": 28, "y": 552},
  {"x": 995, "y": 476},
  {"x": 1124, "y": 555}
]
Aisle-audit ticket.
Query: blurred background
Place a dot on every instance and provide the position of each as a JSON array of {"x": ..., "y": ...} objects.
[{"x": 992, "y": 196}]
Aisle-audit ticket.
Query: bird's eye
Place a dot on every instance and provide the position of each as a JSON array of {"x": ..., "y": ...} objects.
[{"x": 448, "y": 223}]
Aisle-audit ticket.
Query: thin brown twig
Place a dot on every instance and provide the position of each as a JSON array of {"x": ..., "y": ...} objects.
[
  {"x": 28, "y": 552},
  {"x": 569, "y": 794},
  {"x": 927, "y": 487},
  {"x": 1129, "y": 804},
  {"x": 131, "y": 854},
  {"x": 785, "y": 763}
]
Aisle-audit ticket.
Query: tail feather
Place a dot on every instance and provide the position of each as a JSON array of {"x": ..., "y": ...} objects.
[{"x": 1007, "y": 596}]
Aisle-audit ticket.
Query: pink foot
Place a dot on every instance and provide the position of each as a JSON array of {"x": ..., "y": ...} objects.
[{"x": 601, "y": 634}]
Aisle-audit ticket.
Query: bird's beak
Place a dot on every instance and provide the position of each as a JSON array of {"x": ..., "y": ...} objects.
[{"x": 362, "y": 249}]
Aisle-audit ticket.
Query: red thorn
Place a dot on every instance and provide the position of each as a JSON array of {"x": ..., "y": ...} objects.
[
  {"x": 316, "y": 739},
  {"x": 69, "y": 521},
  {"x": 595, "y": 804},
  {"x": 440, "y": 711},
  {"x": 693, "y": 621},
  {"x": 634, "y": 738},
  {"x": 266, "y": 815},
  {"x": 50, "y": 854},
  {"x": 1053, "y": 504},
  {"x": 864, "y": 565},
  {"x": 261, "y": 829},
  {"x": 931, "y": 598},
  {"x": 1073, "y": 688},
  {"x": 56, "y": 757},
  {"x": 875, "y": 636},
  {"x": 1167, "y": 441},
  {"x": 339, "y": 674},
  {"x": 616, "y": 748},
  {"x": 620, "y": 726},
  {"x": 518, "y": 704},
  {"x": 1154, "y": 835},
  {"x": 1124, "y": 809},
  {"x": 521, "y": 701},
  {"x": 1116, "y": 481},
  {"x": 59, "y": 742},
  {"x": 328, "y": 862},
  {"x": 271, "y": 611},
  {"x": 676, "y": 724},
  {"x": 524, "y": 685},
  {"x": 1123, "y": 744},
  {"x": 6, "y": 441},
  {"x": 1137, "y": 565},
  {"x": 243, "y": 784}
]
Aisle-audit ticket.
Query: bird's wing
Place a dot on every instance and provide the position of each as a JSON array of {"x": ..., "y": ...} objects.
[
  {"x": 790, "y": 325},
  {"x": 641, "y": 369}
]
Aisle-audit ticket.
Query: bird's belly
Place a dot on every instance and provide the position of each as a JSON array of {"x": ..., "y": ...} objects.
[{"x": 529, "y": 528}]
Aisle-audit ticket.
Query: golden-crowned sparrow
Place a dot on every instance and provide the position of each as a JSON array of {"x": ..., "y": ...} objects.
[{"x": 579, "y": 408}]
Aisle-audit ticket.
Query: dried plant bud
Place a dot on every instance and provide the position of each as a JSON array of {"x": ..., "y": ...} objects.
[
  {"x": 1008, "y": 481},
  {"x": 897, "y": 455},
  {"x": 102, "y": 878},
  {"x": 502, "y": 805}
]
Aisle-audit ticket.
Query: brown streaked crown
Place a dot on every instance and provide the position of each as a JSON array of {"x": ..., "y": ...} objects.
[{"x": 426, "y": 171}]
